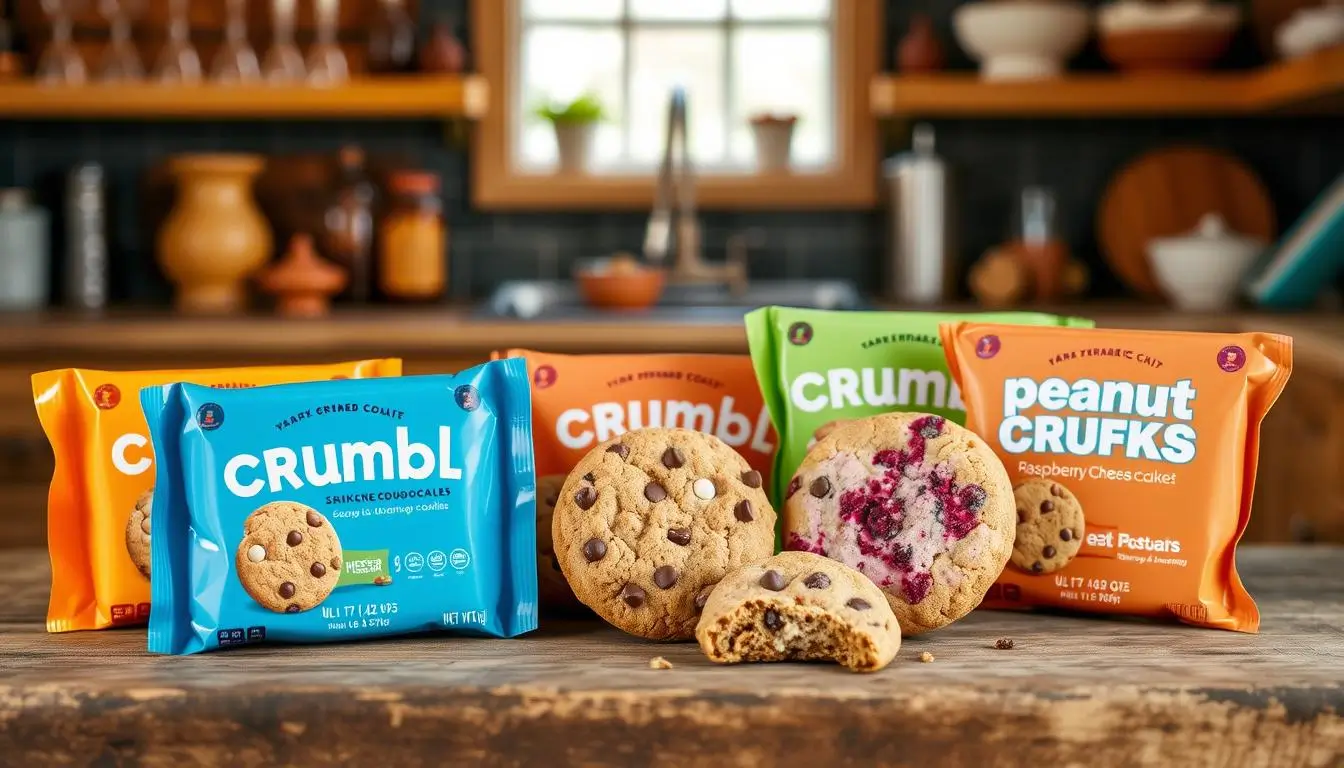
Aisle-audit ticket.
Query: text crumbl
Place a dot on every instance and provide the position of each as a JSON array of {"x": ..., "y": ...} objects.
[
  {"x": 1144, "y": 421},
  {"x": 578, "y": 428}
]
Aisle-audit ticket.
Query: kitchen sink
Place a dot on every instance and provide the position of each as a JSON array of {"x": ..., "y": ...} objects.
[{"x": 560, "y": 300}]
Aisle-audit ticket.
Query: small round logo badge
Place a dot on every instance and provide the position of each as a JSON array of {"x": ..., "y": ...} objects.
[
  {"x": 987, "y": 347},
  {"x": 210, "y": 416},
  {"x": 468, "y": 399},
  {"x": 544, "y": 377},
  {"x": 107, "y": 396},
  {"x": 800, "y": 334},
  {"x": 459, "y": 558},
  {"x": 1231, "y": 359}
]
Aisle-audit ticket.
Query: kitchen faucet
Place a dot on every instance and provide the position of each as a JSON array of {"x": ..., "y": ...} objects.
[{"x": 674, "y": 208}]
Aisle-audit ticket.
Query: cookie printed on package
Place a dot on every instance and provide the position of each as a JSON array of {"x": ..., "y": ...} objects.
[
  {"x": 342, "y": 510},
  {"x": 100, "y": 509},
  {"x": 1132, "y": 456}
]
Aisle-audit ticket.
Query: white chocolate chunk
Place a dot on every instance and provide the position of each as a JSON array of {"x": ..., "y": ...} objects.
[
  {"x": 704, "y": 489},
  {"x": 256, "y": 553}
]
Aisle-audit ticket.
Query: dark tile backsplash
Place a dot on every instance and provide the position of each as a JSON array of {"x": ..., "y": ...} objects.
[{"x": 1296, "y": 158}]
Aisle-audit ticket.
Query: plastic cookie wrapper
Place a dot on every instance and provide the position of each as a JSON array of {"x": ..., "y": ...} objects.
[
  {"x": 1133, "y": 457},
  {"x": 579, "y": 401},
  {"x": 816, "y": 367},
  {"x": 99, "y": 509},
  {"x": 330, "y": 511}
]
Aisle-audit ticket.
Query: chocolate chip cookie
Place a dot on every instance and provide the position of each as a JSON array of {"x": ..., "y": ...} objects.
[
  {"x": 137, "y": 532},
  {"x": 289, "y": 559},
  {"x": 647, "y": 521},
  {"x": 916, "y": 503},
  {"x": 1050, "y": 526},
  {"x": 798, "y": 606},
  {"x": 556, "y": 596}
]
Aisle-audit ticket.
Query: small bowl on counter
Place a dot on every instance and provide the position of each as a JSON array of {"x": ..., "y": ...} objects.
[
  {"x": 1201, "y": 271},
  {"x": 621, "y": 283},
  {"x": 1183, "y": 36}
]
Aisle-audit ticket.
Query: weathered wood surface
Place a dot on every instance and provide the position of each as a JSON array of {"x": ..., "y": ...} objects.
[{"x": 1074, "y": 691}]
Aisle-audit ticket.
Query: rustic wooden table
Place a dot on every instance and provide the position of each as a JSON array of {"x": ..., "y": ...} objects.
[{"x": 1074, "y": 691}]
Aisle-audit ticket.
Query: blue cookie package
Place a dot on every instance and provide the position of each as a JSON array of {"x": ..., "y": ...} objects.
[{"x": 339, "y": 510}]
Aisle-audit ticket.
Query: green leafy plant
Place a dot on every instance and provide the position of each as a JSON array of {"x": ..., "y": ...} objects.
[{"x": 585, "y": 109}]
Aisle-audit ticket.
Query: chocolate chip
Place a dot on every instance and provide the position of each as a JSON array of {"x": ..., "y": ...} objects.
[
  {"x": 550, "y": 500},
  {"x": 318, "y": 570},
  {"x": 751, "y": 479},
  {"x": 673, "y": 459},
  {"x": 314, "y": 519},
  {"x": 655, "y": 492},
  {"x": 292, "y": 608},
  {"x": 773, "y": 580},
  {"x": 1055, "y": 490},
  {"x": 294, "y": 539},
  {"x": 585, "y": 497},
  {"x": 679, "y": 536},
  {"x": 1004, "y": 644},
  {"x": 858, "y": 604},
  {"x": 743, "y": 511},
  {"x": 817, "y": 580},
  {"x": 1047, "y": 506},
  {"x": 633, "y": 595},
  {"x": 589, "y": 478},
  {"x": 665, "y": 576},
  {"x": 1048, "y": 551},
  {"x": 594, "y": 550},
  {"x": 619, "y": 449},
  {"x": 286, "y": 589},
  {"x": 1036, "y": 567},
  {"x": 1021, "y": 515},
  {"x": 702, "y": 598},
  {"x": 794, "y": 485},
  {"x": 821, "y": 488},
  {"x": 772, "y": 620},
  {"x": 1065, "y": 534}
]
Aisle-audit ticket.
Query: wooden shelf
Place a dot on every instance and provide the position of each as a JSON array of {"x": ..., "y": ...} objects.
[
  {"x": 1314, "y": 83},
  {"x": 404, "y": 97}
]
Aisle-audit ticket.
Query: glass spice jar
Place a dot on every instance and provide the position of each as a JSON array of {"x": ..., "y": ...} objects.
[{"x": 412, "y": 256}]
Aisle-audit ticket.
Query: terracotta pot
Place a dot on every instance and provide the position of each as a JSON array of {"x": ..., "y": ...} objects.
[
  {"x": 442, "y": 52},
  {"x": 302, "y": 282},
  {"x": 919, "y": 50},
  {"x": 215, "y": 238}
]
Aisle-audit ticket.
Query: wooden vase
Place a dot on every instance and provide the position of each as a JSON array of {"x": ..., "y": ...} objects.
[{"x": 215, "y": 238}]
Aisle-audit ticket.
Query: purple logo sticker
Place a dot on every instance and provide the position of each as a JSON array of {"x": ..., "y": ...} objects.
[
  {"x": 468, "y": 399},
  {"x": 800, "y": 334},
  {"x": 544, "y": 377},
  {"x": 987, "y": 347},
  {"x": 1231, "y": 359}
]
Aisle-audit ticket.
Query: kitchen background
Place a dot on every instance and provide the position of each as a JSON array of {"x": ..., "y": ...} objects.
[{"x": 1297, "y": 157}]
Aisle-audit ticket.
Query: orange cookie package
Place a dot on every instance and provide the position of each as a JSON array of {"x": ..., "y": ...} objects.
[
  {"x": 98, "y": 509},
  {"x": 1133, "y": 458}
]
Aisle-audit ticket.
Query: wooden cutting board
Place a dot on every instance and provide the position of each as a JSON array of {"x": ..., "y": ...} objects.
[{"x": 1165, "y": 193}]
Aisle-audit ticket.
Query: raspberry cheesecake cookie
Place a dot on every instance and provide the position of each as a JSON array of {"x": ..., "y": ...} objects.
[
  {"x": 798, "y": 606},
  {"x": 648, "y": 521},
  {"x": 916, "y": 503}
]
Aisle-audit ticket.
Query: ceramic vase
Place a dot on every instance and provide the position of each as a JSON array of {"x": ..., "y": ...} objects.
[{"x": 574, "y": 142}]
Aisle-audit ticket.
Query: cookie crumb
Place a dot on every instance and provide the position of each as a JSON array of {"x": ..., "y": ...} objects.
[
  {"x": 926, "y": 657},
  {"x": 658, "y": 662},
  {"x": 1004, "y": 644}
]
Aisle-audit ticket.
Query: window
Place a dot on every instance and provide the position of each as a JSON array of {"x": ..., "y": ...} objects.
[{"x": 734, "y": 58}]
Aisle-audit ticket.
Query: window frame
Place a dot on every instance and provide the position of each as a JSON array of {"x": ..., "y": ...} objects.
[{"x": 849, "y": 182}]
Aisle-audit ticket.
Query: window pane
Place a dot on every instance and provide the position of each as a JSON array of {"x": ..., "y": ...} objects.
[
  {"x": 661, "y": 58},
  {"x": 560, "y": 64},
  {"x": 781, "y": 9},
  {"x": 571, "y": 9},
  {"x": 678, "y": 9},
  {"x": 785, "y": 70}
]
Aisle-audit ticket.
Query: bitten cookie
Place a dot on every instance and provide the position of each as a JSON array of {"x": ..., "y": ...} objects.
[
  {"x": 556, "y": 596},
  {"x": 1050, "y": 526},
  {"x": 918, "y": 504},
  {"x": 646, "y": 522},
  {"x": 798, "y": 606},
  {"x": 137, "y": 532},
  {"x": 289, "y": 559}
]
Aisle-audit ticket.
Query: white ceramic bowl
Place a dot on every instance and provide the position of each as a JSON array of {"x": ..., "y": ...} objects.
[
  {"x": 1021, "y": 39},
  {"x": 1202, "y": 271}
]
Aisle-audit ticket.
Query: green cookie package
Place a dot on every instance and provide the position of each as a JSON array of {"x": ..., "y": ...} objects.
[{"x": 817, "y": 366}]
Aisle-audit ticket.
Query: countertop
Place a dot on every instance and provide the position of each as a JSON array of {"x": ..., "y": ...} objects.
[{"x": 1073, "y": 691}]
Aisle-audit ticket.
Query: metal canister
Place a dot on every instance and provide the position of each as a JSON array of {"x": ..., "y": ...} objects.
[
  {"x": 24, "y": 258},
  {"x": 85, "y": 267},
  {"x": 921, "y": 253}
]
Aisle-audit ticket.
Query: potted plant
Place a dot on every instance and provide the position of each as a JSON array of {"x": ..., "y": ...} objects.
[
  {"x": 575, "y": 123},
  {"x": 773, "y": 134}
]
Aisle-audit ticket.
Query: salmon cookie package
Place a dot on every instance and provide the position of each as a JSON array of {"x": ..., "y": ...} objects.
[
  {"x": 99, "y": 508},
  {"x": 1132, "y": 456},
  {"x": 579, "y": 401}
]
